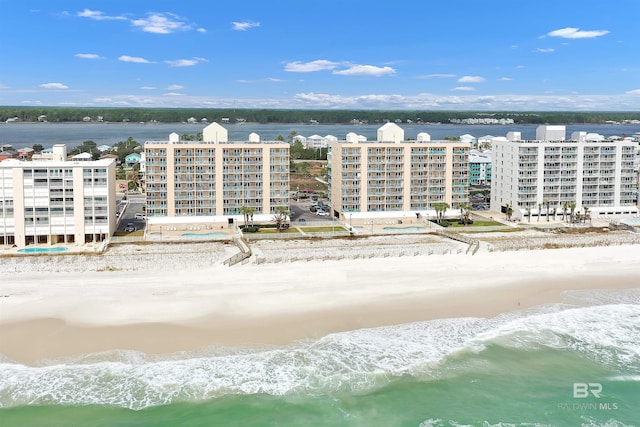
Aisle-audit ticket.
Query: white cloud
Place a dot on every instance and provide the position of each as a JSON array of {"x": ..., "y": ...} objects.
[
  {"x": 308, "y": 67},
  {"x": 464, "y": 88},
  {"x": 436, "y": 76},
  {"x": 545, "y": 50},
  {"x": 99, "y": 16},
  {"x": 366, "y": 70},
  {"x": 148, "y": 88},
  {"x": 576, "y": 33},
  {"x": 183, "y": 62},
  {"x": 471, "y": 79},
  {"x": 173, "y": 94},
  {"x": 87, "y": 55},
  {"x": 201, "y": 30},
  {"x": 136, "y": 59},
  {"x": 159, "y": 23},
  {"x": 268, "y": 79},
  {"x": 175, "y": 87},
  {"x": 3, "y": 86},
  {"x": 54, "y": 86},
  {"x": 633, "y": 92},
  {"x": 243, "y": 26},
  {"x": 505, "y": 79}
]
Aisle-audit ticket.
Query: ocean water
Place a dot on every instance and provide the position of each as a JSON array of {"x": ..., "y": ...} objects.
[{"x": 570, "y": 364}]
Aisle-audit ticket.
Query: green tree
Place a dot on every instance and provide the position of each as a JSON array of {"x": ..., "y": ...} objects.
[
  {"x": 440, "y": 208},
  {"x": 508, "y": 212},
  {"x": 572, "y": 209},
  {"x": 247, "y": 212},
  {"x": 465, "y": 213},
  {"x": 280, "y": 217},
  {"x": 37, "y": 148},
  {"x": 124, "y": 148},
  {"x": 87, "y": 147}
]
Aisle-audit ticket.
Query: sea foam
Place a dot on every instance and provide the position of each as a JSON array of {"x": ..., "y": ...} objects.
[{"x": 359, "y": 360}]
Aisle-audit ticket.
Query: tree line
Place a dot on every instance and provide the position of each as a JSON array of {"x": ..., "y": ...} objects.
[{"x": 265, "y": 116}]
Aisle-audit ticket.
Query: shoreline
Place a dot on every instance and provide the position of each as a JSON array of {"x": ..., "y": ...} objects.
[{"x": 72, "y": 313}]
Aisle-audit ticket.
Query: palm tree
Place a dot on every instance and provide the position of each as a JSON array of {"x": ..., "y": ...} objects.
[
  {"x": 280, "y": 217},
  {"x": 247, "y": 212},
  {"x": 465, "y": 212},
  {"x": 586, "y": 214},
  {"x": 509, "y": 212},
  {"x": 539, "y": 211},
  {"x": 547, "y": 203},
  {"x": 528, "y": 212},
  {"x": 440, "y": 208},
  {"x": 572, "y": 208},
  {"x": 565, "y": 207}
]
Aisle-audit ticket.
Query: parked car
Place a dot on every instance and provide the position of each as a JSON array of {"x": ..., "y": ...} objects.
[
  {"x": 320, "y": 212},
  {"x": 140, "y": 216},
  {"x": 129, "y": 228},
  {"x": 313, "y": 208}
]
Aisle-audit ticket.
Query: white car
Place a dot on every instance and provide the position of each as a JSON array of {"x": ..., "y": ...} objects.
[
  {"x": 140, "y": 216},
  {"x": 320, "y": 212},
  {"x": 129, "y": 228}
]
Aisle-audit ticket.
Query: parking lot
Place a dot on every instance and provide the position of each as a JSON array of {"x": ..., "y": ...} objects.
[{"x": 301, "y": 212}]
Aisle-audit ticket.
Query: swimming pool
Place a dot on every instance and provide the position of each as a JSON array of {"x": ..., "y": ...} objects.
[
  {"x": 203, "y": 235},
  {"x": 631, "y": 221},
  {"x": 410, "y": 228},
  {"x": 42, "y": 250}
]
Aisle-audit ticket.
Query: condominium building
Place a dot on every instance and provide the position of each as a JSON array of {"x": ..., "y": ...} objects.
[
  {"x": 392, "y": 174},
  {"x": 479, "y": 168},
  {"x": 215, "y": 177},
  {"x": 48, "y": 202},
  {"x": 533, "y": 177}
]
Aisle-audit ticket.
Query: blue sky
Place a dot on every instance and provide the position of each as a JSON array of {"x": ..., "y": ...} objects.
[{"x": 326, "y": 54}]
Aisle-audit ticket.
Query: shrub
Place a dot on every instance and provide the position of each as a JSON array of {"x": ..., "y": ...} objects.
[{"x": 249, "y": 229}]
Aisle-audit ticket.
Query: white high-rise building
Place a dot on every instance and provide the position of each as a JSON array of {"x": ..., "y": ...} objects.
[
  {"x": 540, "y": 176},
  {"x": 48, "y": 202}
]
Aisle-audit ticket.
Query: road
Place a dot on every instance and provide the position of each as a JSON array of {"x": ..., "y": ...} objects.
[{"x": 128, "y": 209}]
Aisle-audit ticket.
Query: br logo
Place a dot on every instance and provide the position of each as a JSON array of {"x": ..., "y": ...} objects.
[{"x": 583, "y": 390}]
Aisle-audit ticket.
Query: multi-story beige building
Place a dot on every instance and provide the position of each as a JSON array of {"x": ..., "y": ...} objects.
[
  {"x": 48, "y": 202},
  {"x": 215, "y": 177},
  {"x": 392, "y": 174},
  {"x": 542, "y": 176}
]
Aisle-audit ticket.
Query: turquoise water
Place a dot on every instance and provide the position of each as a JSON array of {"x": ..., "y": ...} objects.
[
  {"x": 203, "y": 235},
  {"x": 409, "y": 228},
  {"x": 517, "y": 369},
  {"x": 42, "y": 250},
  {"x": 632, "y": 221}
]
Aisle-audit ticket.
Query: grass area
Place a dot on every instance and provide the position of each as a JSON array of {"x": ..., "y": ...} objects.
[
  {"x": 455, "y": 224},
  {"x": 133, "y": 233},
  {"x": 273, "y": 231},
  {"x": 323, "y": 229}
]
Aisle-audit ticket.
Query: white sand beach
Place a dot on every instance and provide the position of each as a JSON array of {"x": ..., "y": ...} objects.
[{"x": 164, "y": 306}]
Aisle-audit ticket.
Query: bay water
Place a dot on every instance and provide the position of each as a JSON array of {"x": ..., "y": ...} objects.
[{"x": 20, "y": 135}]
